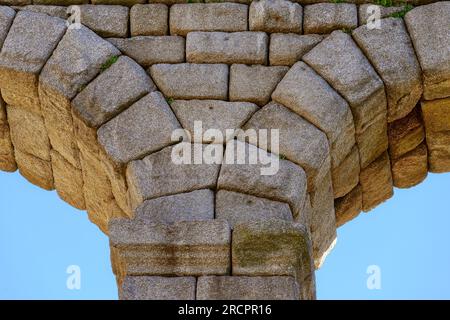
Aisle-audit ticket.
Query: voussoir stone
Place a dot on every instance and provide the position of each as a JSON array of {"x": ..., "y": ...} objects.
[
  {"x": 112, "y": 91},
  {"x": 105, "y": 20},
  {"x": 237, "y": 207},
  {"x": 185, "y": 248},
  {"x": 6, "y": 18},
  {"x": 326, "y": 17},
  {"x": 430, "y": 34},
  {"x": 159, "y": 174},
  {"x": 287, "y": 49},
  {"x": 339, "y": 61},
  {"x": 222, "y": 47},
  {"x": 349, "y": 206},
  {"x": 145, "y": 127},
  {"x": 149, "y": 19},
  {"x": 411, "y": 168},
  {"x": 275, "y": 16},
  {"x": 35, "y": 170},
  {"x": 191, "y": 81},
  {"x": 190, "y": 206},
  {"x": 390, "y": 51},
  {"x": 158, "y": 288},
  {"x": 254, "y": 83},
  {"x": 223, "y": 116},
  {"x": 247, "y": 288},
  {"x": 27, "y": 47},
  {"x": 346, "y": 174},
  {"x": 227, "y": 17},
  {"x": 148, "y": 50},
  {"x": 303, "y": 91}
]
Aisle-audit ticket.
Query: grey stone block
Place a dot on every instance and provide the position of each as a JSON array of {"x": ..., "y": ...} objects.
[
  {"x": 275, "y": 16},
  {"x": 326, "y": 17},
  {"x": 158, "y": 288},
  {"x": 149, "y": 20},
  {"x": 287, "y": 49},
  {"x": 106, "y": 21},
  {"x": 6, "y": 18}
]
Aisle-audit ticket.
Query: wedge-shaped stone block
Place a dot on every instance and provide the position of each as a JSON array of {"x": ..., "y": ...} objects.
[
  {"x": 28, "y": 132},
  {"x": 213, "y": 114},
  {"x": 406, "y": 134},
  {"x": 376, "y": 183},
  {"x": 35, "y": 170},
  {"x": 164, "y": 173},
  {"x": 148, "y": 50},
  {"x": 68, "y": 181},
  {"x": 287, "y": 49},
  {"x": 273, "y": 248},
  {"x": 303, "y": 91},
  {"x": 112, "y": 91},
  {"x": 28, "y": 45},
  {"x": 411, "y": 168},
  {"x": 247, "y": 288},
  {"x": 158, "y": 288},
  {"x": 349, "y": 206},
  {"x": 238, "y": 207},
  {"x": 326, "y": 17},
  {"x": 6, "y": 18},
  {"x": 283, "y": 180},
  {"x": 436, "y": 116},
  {"x": 390, "y": 51},
  {"x": 191, "y": 81},
  {"x": 299, "y": 141},
  {"x": 430, "y": 34},
  {"x": 191, "y": 206},
  {"x": 342, "y": 64},
  {"x": 254, "y": 83},
  {"x": 106, "y": 21},
  {"x": 275, "y": 16},
  {"x": 346, "y": 175},
  {"x": 221, "y": 47},
  {"x": 145, "y": 127},
  {"x": 149, "y": 19},
  {"x": 180, "y": 249},
  {"x": 227, "y": 17}
]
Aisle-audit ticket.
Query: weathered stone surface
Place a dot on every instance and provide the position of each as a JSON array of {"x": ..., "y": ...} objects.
[
  {"x": 60, "y": 2},
  {"x": 6, "y": 18},
  {"x": 191, "y": 81},
  {"x": 303, "y": 91},
  {"x": 411, "y": 168},
  {"x": 149, "y": 20},
  {"x": 222, "y": 47},
  {"x": 112, "y": 91},
  {"x": 148, "y": 50},
  {"x": 227, "y": 17},
  {"x": 305, "y": 215},
  {"x": 29, "y": 43},
  {"x": 106, "y": 21},
  {"x": 35, "y": 170},
  {"x": 158, "y": 288},
  {"x": 339, "y": 61},
  {"x": 376, "y": 183},
  {"x": 275, "y": 247},
  {"x": 54, "y": 11},
  {"x": 247, "y": 288},
  {"x": 436, "y": 115},
  {"x": 254, "y": 83},
  {"x": 390, "y": 51},
  {"x": 349, "y": 206},
  {"x": 127, "y": 3},
  {"x": 159, "y": 174},
  {"x": 183, "y": 248},
  {"x": 14, "y": 2},
  {"x": 367, "y": 11},
  {"x": 213, "y": 114},
  {"x": 68, "y": 181},
  {"x": 299, "y": 141},
  {"x": 287, "y": 184},
  {"x": 28, "y": 132},
  {"x": 275, "y": 16},
  {"x": 346, "y": 175},
  {"x": 287, "y": 49},
  {"x": 191, "y": 206},
  {"x": 326, "y": 17},
  {"x": 405, "y": 134},
  {"x": 7, "y": 161},
  {"x": 238, "y": 207},
  {"x": 145, "y": 127},
  {"x": 428, "y": 28}
]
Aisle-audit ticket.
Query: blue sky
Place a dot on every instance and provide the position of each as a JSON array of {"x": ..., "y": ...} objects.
[{"x": 407, "y": 238}]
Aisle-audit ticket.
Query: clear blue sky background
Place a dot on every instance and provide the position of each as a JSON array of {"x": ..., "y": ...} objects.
[{"x": 407, "y": 237}]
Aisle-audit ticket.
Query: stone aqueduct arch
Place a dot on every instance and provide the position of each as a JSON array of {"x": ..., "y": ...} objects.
[{"x": 90, "y": 112}]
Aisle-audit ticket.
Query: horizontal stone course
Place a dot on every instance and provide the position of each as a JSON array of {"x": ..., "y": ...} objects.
[
  {"x": 158, "y": 288},
  {"x": 275, "y": 16},
  {"x": 149, "y": 20},
  {"x": 325, "y": 17}
]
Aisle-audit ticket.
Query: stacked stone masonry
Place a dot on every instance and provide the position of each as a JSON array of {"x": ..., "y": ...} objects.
[{"x": 91, "y": 110}]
